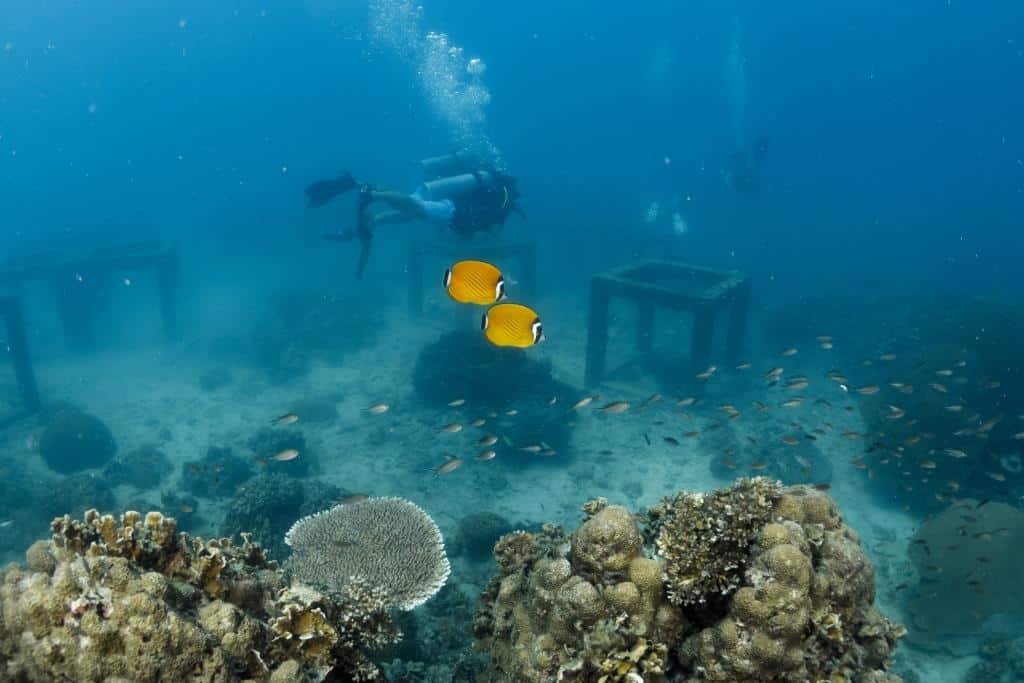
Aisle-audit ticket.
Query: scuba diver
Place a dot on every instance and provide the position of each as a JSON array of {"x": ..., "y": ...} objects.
[
  {"x": 460, "y": 192},
  {"x": 745, "y": 177}
]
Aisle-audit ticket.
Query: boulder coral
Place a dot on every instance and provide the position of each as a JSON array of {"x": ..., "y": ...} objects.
[
  {"x": 751, "y": 583},
  {"x": 74, "y": 440},
  {"x": 132, "y": 599}
]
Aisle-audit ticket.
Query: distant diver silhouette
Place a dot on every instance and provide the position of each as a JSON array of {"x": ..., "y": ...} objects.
[{"x": 745, "y": 177}]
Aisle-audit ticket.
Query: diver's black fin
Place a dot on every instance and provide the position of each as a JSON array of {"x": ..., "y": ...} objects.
[{"x": 323, "y": 191}]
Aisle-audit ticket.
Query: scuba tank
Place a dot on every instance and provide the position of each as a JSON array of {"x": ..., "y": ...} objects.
[
  {"x": 452, "y": 164},
  {"x": 455, "y": 186}
]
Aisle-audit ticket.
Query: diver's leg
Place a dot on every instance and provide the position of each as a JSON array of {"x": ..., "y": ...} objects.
[
  {"x": 390, "y": 217},
  {"x": 403, "y": 203}
]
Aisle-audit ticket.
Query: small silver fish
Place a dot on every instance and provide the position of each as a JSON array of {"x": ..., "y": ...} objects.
[
  {"x": 486, "y": 455},
  {"x": 448, "y": 466},
  {"x": 378, "y": 408},
  {"x": 286, "y": 455},
  {"x": 286, "y": 419},
  {"x": 583, "y": 402},
  {"x": 453, "y": 428},
  {"x": 479, "y": 422},
  {"x": 457, "y": 402},
  {"x": 488, "y": 440},
  {"x": 616, "y": 407},
  {"x": 790, "y": 352},
  {"x": 706, "y": 375}
]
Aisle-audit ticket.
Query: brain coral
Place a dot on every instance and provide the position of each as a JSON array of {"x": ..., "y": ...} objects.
[{"x": 388, "y": 541}]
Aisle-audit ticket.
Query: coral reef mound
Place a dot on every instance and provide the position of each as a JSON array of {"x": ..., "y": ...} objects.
[
  {"x": 463, "y": 365},
  {"x": 389, "y": 542},
  {"x": 74, "y": 441},
  {"x": 785, "y": 594},
  {"x": 132, "y": 599},
  {"x": 968, "y": 560}
]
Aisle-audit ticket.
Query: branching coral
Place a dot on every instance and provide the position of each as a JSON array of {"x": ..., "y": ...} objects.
[{"x": 704, "y": 537}]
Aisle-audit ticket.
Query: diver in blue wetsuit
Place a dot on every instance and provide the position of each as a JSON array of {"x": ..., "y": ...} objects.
[{"x": 473, "y": 198}]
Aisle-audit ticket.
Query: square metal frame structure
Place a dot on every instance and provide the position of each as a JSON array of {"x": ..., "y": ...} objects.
[
  {"x": 65, "y": 274},
  {"x": 647, "y": 285}
]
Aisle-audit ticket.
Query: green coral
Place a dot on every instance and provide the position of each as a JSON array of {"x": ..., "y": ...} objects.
[
  {"x": 704, "y": 538},
  {"x": 133, "y": 599}
]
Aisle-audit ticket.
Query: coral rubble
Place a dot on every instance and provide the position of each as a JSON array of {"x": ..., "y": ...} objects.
[
  {"x": 132, "y": 599},
  {"x": 752, "y": 583}
]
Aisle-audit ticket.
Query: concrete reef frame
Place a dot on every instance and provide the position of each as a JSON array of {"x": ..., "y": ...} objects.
[
  {"x": 704, "y": 292},
  {"x": 17, "y": 349},
  {"x": 78, "y": 281},
  {"x": 498, "y": 253}
]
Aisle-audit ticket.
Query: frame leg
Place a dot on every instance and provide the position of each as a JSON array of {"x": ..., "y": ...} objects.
[
  {"x": 703, "y": 333},
  {"x": 644, "y": 326},
  {"x": 167, "y": 279},
  {"x": 738, "y": 314},
  {"x": 414, "y": 291},
  {"x": 528, "y": 267},
  {"x": 18, "y": 342},
  {"x": 597, "y": 333}
]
